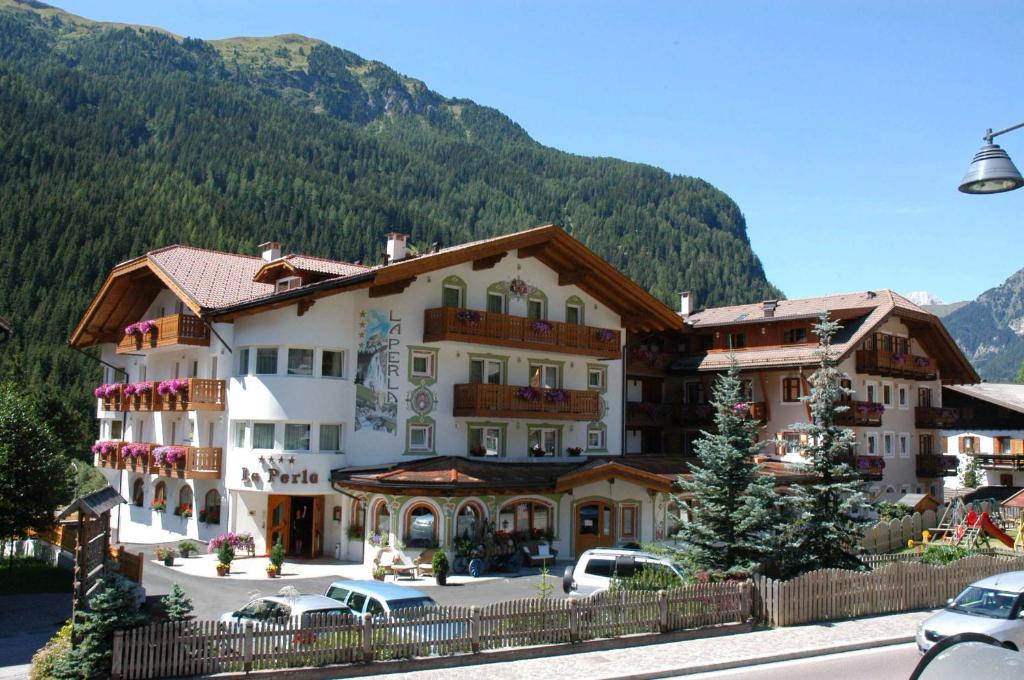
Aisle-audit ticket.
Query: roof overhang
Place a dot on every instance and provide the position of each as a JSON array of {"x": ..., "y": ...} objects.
[
  {"x": 610, "y": 471},
  {"x": 970, "y": 391}
]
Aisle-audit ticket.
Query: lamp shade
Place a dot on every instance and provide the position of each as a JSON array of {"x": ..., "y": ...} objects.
[{"x": 991, "y": 172}]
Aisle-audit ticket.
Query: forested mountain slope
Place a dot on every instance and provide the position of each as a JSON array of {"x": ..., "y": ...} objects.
[
  {"x": 991, "y": 330},
  {"x": 118, "y": 140}
]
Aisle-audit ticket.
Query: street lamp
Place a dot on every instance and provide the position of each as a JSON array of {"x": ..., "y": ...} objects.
[{"x": 992, "y": 171}]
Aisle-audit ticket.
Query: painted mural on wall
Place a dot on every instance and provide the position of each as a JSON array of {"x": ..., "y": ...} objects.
[{"x": 377, "y": 374}]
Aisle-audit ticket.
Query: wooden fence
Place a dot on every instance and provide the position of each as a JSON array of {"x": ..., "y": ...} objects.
[
  {"x": 205, "y": 647},
  {"x": 894, "y": 534},
  {"x": 830, "y": 594}
]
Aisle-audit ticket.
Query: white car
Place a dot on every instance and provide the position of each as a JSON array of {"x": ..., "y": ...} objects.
[
  {"x": 992, "y": 606},
  {"x": 594, "y": 570},
  {"x": 273, "y": 609}
]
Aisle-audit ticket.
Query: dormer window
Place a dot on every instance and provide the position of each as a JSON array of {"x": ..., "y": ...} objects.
[{"x": 287, "y": 283}]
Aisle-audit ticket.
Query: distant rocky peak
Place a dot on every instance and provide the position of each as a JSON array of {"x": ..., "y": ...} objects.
[{"x": 922, "y": 298}]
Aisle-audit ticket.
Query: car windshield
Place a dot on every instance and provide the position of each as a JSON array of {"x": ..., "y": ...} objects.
[
  {"x": 985, "y": 602},
  {"x": 398, "y": 605}
]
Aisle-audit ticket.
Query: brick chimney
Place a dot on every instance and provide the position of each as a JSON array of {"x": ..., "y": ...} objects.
[
  {"x": 271, "y": 250},
  {"x": 396, "y": 246}
]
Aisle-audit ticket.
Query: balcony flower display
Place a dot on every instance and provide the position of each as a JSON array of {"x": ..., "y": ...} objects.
[
  {"x": 134, "y": 450},
  {"x": 606, "y": 335},
  {"x": 574, "y": 450},
  {"x": 557, "y": 396},
  {"x": 140, "y": 328},
  {"x": 168, "y": 456},
  {"x": 183, "y": 511},
  {"x": 104, "y": 448},
  {"x": 528, "y": 394},
  {"x": 741, "y": 409},
  {"x": 158, "y": 505},
  {"x": 469, "y": 316},
  {"x": 649, "y": 356},
  {"x": 899, "y": 359},
  {"x": 137, "y": 389},
  {"x": 922, "y": 362},
  {"x": 107, "y": 390},
  {"x": 172, "y": 387},
  {"x": 541, "y": 327},
  {"x": 870, "y": 408}
]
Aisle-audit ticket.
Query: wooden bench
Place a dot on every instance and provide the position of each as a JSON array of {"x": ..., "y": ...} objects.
[{"x": 538, "y": 554}]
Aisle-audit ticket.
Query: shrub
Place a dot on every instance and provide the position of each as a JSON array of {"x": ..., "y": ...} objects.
[
  {"x": 114, "y": 606},
  {"x": 177, "y": 605},
  {"x": 939, "y": 554},
  {"x": 52, "y": 655},
  {"x": 889, "y": 511},
  {"x": 277, "y": 555},
  {"x": 440, "y": 563},
  {"x": 186, "y": 548},
  {"x": 225, "y": 553},
  {"x": 648, "y": 579}
]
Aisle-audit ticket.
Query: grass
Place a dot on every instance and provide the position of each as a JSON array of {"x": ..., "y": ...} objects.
[{"x": 30, "y": 575}]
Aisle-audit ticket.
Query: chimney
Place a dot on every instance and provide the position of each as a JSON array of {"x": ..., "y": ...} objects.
[
  {"x": 769, "y": 308},
  {"x": 271, "y": 250},
  {"x": 685, "y": 303},
  {"x": 396, "y": 247}
]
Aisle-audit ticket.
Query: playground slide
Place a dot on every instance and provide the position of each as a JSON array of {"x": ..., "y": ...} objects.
[{"x": 988, "y": 527}]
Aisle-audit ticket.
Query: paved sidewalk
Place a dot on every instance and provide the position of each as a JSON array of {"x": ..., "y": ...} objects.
[
  {"x": 26, "y": 623},
  {"x": 696, "y": 656}
]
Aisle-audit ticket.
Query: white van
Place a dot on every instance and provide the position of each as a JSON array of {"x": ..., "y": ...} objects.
[{"x": 594, "y": 571}]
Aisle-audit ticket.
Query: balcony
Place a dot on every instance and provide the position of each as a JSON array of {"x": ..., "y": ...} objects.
[
  {"x": 932, "y": 417},
  {"x": 107, "y": 455},
  {"x": 935, "y": 465},
  {"x": 192, "y": 394},
  {"x": 647, "y": 413},
  {"x": 1000, "y": 461},
  {"x": 860, "y": 413},
  {"x": 895, "y": 364},
  {"x": 504, "y": 330},
  {"x": 869, "y": 467},
  {"x": 704, "y": 414},
  {"x": 167, "y": 331},
  {"x": 510, "y": 401},
  {"x": 178, "y": 462}
]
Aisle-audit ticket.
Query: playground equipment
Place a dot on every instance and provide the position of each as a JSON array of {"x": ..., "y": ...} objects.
[
  {"x": 1017, "y": 501},
  {"x": 964, "y": 526},
  {"x": 983, "y": 523}
]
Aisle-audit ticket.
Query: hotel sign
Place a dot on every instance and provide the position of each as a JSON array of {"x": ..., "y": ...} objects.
[{"x": 275, "y": 475}]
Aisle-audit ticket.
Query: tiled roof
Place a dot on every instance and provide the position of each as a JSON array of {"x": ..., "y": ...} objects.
[
  {"x": 449, "y": 472},
  {"x": 322, "y": 265},
  {"x": 211, "y": 278},
  {"x": 803, "y": 308},
  {"x": 1006, "y": 395}
]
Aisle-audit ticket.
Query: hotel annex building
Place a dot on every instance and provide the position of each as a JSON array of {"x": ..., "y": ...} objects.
[{"x": 518, "y": 382}]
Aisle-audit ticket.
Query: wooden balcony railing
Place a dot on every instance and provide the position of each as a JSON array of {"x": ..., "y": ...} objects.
[
  {"x": 505, "y": 330},
  {"x": 167, "y": 331},
  {"x": 895, "y": 364},
  {"x": 199, "y": 463},
  {"x": 510, "y": 401},
  {"x": 703, "y": 414},
  {"x": 108, "y": 456},
  {"x": 860, "y": 413},
  {"x": 647, "y": 412},
  {"x": 869, "y": 467},
  {"x": 935, "y": 465},
  {"x": 999, "y": 461},
  {"x": 202, "y": 394},
  {"x": 933, "y": 417}
]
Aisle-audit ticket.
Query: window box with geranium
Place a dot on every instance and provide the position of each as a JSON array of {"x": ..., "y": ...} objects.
[
  {"x": 574, "y": 450},
  {"x": 158, "y": 505},
  {"x": 172, "y": 388},
  {"x": 183, "y": 511}
]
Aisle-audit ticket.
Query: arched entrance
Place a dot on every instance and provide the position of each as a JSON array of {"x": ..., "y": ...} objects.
[{"x": 595, "y": 525}]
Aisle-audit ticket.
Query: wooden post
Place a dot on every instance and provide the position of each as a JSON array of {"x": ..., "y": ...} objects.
[
  {"x": 662, "y": 611},
  {"x": 115, "y": 662},
  {"x": 574, "y": 620},
  {"x": 247, "y": 647},
  {"x": 367, "y": 638},
  {"x": 474, "y": 628}
]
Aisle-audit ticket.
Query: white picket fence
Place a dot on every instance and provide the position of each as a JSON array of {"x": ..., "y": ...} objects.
[{"x": 206, "y": 647}]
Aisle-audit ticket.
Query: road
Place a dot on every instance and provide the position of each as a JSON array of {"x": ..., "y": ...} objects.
[{"x": 895, "y": 662}]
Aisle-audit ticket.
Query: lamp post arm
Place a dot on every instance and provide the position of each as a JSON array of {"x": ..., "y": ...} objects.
[{"x": 989, "y": 135}]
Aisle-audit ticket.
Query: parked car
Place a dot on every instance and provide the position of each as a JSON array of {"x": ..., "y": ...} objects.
[
  {"x": 992, "y": 606},
  {"x": 595, "y": 569},
  {"x": 377, "y": 597},
  {"x": 273, "y": 609}
]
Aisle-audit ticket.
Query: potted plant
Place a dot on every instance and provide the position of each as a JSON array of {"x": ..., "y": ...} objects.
[
  {"x": 574, "y": 450},
  {"x": 186, "y": 548},
  {"x": 166, "y": 554},
  {"x": 158, "y": 505},
  {"x": 276, "y": 560},
  {"x": 440, "y": 565},
  {"x": 379, "y": 572},
  {"x": 225, "y": 553}
]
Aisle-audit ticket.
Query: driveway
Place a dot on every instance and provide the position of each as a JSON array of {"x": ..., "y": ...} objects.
[{"x": 26, "y": 623}]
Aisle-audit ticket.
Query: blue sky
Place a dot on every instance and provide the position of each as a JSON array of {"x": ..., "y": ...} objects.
[{"x": 840, "y": 128}]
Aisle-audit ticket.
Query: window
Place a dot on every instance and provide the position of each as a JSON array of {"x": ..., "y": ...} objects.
[
  {"x": 792, "y": 444},
  {"x": 544, "y": 439},
  {"x": 355, "y": 521},
  {"x": 794, "y": 336},
  {"x": 332, "y": 364},
  {"x": 486, "y": 371},
  {"x": 240, "y": 432},
  {"x": 243, "y": 362},
  {"x": 287, "y": 283},
  {"x": 525, "y": 516},
  {"x": 924, "y": 445},
  {"x": 263, "y": 435},
  {"x": 791, "y": 389},
  {"x": 469, "y": 523},
  {"x": 160, "y": 493},
  {"x": 535, "y": 309},
  {"x": 596, "y": 439},
  {"x": 694, "y": 393},
  {"x": 968, "y": 444},
  {"x": 924, "y": 396},
  {"x": 545, "y": 375},
  {"x": 451, "y": 295},
  {"x": 597, "y": 378},
  {"x": 300, "y": 361},
  {"x": 598, "y": 567},
  {"x": 903, "y": 397},
  {"x": 736, "y": 340},
  {"x": 886, "y": 394},
  {"x": 872, "y": 444},
  {"x": 628, "y": 514},
  {"x": 904, "y": 445},
  {"x": 423, "y": 364},
  {"x": 330, "y": 438},
  {"x": 574, "y": 312},
  {"x": 485, "y": 440},
  {"x": 421, "y": 437},
  {"x": 495, "y": 303},
  {"x": 296, "y": 437},
  {"x": 138, "y": 492},
  {"x": 887, "y": 444},
  {"x": 211, "y": 508},
  {"x": 421, "y": 527},
  {"x": 381, "y": 518},
  {"x": 266, "y": 361},
  {"x": 871, "y": 392},
  {"x": 116, "y": 429},
  {"x": 185, "y": 500},
  {"x": 747, "y": 390}
]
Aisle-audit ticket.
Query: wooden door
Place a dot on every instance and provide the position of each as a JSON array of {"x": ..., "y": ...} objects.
[
  {"x": 595, "y": 526},
  {"x": 318, "y": 526},
  {"x": 279, "y": 513}
]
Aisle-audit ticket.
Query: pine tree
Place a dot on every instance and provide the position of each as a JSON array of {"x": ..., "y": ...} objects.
[
  {"x": 114, "y": 606},
  {"x": 736, "y": 515},
  {"x": 825, "y": 530},
  {"x": 177, "y": 605}
]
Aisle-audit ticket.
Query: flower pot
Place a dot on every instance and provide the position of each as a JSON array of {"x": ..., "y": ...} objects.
[
  {"x": 442, "y": 579},
  {"x": 169, "y": 561},
  {"x": 223, "y": 570},
  {"x": 271, "y": 572},
  {"x": 379, "y": 577}
]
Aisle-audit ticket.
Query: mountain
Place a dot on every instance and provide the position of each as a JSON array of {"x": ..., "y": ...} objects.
[
  {"x": 942, "y": 310},
  {"x": 990, "y": 329},
  {"x": 923, "y": 298},
  {"x": 115, "y": 140}
]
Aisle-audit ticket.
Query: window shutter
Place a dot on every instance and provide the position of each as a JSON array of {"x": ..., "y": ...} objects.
[
  {"x": 963, "y": 445},
  {"x": 780, "y": 444}
]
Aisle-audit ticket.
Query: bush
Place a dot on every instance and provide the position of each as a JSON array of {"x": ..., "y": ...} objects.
[
  {"x": 277, "y": 555},
  {"x": 440, "y": 563},
  {"x": 939, "y": 554},
  {"x": 177, "y": 605},
  {"x": 186, "y": 548},
  {"x": 647, "y": 579},
  {"x": 114, "y": 606},
  {"x": 225, "y": 553},
  {"x": 53, "y": 654},
  {"x": 889, "y": 511}
]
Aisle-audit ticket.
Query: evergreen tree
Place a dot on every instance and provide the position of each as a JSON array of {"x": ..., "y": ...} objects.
[
  {"x": 177, "y": 605},
  {"x": 825, "y": 531},
  {"x": 114, "y": 606},
  {"x": 736, "y": 515}
]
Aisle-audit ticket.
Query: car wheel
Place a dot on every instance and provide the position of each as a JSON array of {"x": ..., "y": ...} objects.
[
  {"x": 1009, "y": 645},
  {"x": 567, "y": 579}
]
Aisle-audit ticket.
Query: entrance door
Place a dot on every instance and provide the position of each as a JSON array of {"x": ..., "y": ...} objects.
[
  {"x": 318, "y": 526},
  {"x": 595, "y": 526},
  {"x": 279, "y": 511}
]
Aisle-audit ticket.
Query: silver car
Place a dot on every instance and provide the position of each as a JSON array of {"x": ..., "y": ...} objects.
[
  {"x": 280, "y": 610},
  {"x": 992, "y": 606}
]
